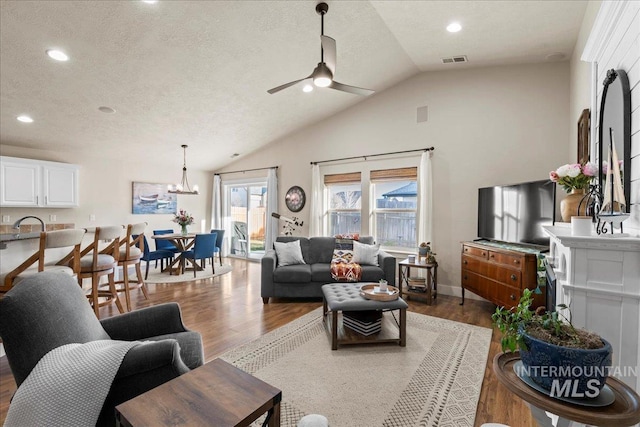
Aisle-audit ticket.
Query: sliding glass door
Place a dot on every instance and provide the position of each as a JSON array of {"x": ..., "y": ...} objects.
[{"x": 246, "y": 213}]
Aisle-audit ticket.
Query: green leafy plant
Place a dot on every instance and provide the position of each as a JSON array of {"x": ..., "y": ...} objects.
[{"x": 553, "y": 327}]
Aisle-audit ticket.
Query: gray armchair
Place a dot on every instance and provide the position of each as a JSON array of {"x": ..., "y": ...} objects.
[{"x": 48, "y": 310}]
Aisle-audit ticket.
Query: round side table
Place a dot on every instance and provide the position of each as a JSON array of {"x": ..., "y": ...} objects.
[{"x": 624, "y": 411}]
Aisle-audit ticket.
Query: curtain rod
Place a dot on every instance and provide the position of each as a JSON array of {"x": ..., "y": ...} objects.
[
  {"x": 247, "y": 170},
  {"x": 373, "y": 155}
]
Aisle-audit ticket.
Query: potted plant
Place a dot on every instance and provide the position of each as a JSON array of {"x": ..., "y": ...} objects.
[
  {"x": 555, "y": 355},
  {"x": 424, "y": 248}
]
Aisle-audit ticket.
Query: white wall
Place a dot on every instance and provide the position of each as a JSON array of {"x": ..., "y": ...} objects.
[
  {"x": 614, "y": 43},
  {"x": 489, "y": 126},
  {"x": 581, "y": 81}
]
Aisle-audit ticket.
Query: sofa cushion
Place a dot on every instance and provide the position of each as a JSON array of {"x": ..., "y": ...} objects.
[
  {"x": 300, "y": 273},
  {"x": 304, "y": 245},
  {"x": 289, "y": 253},
  {"x": 321, "y": 249},
  {"x": 371, "y": 273},
  {"x": 365, "y": 254},
  {"x": 321, "y": 273}
]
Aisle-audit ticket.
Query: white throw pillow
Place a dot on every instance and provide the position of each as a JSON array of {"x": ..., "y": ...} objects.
[
  {"x": 365, "y": 254},
  {"x": 289, "y": 253}
]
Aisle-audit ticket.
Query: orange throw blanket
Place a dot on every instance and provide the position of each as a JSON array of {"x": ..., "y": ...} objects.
[{"x": 346, "y": 272}]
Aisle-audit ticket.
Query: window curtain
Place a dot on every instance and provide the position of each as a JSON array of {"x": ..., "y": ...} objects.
[
  {"x": 317, "y": 190},
  {"x": 271, "y": 231},
  {"x": 425, "y": 199},
  {"x": 216, "y": 209}
]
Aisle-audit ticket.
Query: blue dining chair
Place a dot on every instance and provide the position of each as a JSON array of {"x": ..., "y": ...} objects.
[
  {"x": 148, "y": 255},
  {"x": 165, "y": 245},
  {"x": 219, "y": 240},
  {"x": 203, "y": 249}
]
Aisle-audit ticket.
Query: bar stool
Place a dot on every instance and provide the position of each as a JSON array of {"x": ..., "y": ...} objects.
[
  {"x": 130, "y": 255},
  {"x": 49, "y": 240},
  {"x": 96, "y": 263}
]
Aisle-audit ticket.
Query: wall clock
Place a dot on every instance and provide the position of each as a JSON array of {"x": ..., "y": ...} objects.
[{"x": 295, "y": 199}]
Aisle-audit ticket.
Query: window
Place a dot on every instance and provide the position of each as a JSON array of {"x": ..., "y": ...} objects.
[
  {"x": 395, "y": 202},
  {"x": 344, "y": 205}
]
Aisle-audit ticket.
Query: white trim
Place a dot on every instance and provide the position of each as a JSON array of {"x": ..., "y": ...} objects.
[{"x": 603, "y": 28}]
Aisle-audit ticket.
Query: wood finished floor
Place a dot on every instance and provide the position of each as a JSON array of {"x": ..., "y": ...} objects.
[{"x": 228, "y": 311}]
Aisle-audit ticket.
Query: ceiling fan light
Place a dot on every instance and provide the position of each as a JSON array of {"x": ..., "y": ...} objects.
[
  {"x": 322, "y": 81},
  {"x": 307, "y": 88},
  {"x": 322, "y": 76}
]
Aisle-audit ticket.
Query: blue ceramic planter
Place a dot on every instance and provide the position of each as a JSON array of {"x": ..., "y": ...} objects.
[{"x": 547, "y": 363}]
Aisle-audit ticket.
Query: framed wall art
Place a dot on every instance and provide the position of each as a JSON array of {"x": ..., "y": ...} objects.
[
  {"x": 149, "y": 198},
  {"x": 583, "y": 136}
]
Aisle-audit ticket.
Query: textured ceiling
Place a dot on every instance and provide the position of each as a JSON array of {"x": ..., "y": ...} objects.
[{"x": 197, "y": 72}]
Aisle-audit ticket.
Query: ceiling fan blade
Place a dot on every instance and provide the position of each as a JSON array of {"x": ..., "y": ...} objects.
[
  {"x": 351, "y": 89},
  {"x": 329, "y": 50},
  {"x": 286, "y": 85}
]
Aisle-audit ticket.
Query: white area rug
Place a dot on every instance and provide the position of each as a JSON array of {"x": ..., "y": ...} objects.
[
  {"x": 156, "y": 276},
  {"x": 434, "y": 381}
]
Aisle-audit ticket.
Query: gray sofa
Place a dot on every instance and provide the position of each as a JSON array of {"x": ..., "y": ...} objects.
[{"x": 305, "y": 280}]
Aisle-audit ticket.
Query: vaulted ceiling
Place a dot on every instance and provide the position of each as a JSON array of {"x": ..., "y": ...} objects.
[{"x": 197, "y": 72}]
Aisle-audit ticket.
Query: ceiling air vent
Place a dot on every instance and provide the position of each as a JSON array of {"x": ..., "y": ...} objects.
[{"x": 455, "y": 59}]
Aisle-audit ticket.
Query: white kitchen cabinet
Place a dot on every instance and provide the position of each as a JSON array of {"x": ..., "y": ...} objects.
[{"x": 37, "y": 183}]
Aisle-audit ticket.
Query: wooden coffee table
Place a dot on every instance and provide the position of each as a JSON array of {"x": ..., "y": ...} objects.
[{"x": 215, "y": 394}]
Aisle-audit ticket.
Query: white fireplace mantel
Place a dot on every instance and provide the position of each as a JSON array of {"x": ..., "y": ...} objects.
[{"x": 598, "y": 277}]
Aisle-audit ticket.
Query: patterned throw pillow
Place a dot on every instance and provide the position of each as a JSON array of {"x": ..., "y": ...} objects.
[
  {"x": 343, "y": 251},
  {"x": 342, "y": 255}
]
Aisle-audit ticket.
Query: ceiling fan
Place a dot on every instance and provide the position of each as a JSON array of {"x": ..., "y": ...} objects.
[{"x": 322, "y": 75}]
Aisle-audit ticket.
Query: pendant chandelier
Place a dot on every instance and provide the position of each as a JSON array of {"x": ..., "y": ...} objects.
[{"x": 183, "y": 187}]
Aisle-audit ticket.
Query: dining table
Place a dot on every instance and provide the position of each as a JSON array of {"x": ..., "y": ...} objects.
[{"x": 183, "y": 242}]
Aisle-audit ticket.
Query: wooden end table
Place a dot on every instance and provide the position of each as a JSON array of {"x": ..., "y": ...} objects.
[
  {"x": 404, "y": 272},
  {"x": 215, "y": 394},
  {"x": 624, "y": 411}
]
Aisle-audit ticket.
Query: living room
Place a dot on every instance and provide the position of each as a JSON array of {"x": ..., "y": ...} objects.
[{"x": 489, "y": 125}]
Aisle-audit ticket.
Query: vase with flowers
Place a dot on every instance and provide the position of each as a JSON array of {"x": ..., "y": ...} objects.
[
  {"x": 574, "y": 178},
  {"x": 183, "y": 218}
]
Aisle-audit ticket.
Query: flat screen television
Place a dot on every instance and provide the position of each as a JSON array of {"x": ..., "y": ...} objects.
[{"x": 516, "y": 213}]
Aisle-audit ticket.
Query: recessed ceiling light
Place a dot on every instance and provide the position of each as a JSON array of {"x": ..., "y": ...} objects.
[
  {"x": 307, "y": 88},
  {"x": 108, "y": 110},
  {"x": 25, "y": 119},
  {"x": 454, "y": 27},
  {"x": 58, "y": 55},
  {"x": 150, "y": 1}
]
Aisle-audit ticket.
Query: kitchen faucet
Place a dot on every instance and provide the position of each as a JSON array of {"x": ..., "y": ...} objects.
[{"x": 16, "y": 225}]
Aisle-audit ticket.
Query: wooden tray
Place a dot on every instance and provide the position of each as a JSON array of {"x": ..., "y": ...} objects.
[{"x": 367, "y": 291}]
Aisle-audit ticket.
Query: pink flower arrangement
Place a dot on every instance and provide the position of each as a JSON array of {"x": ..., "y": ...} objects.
[
  {"x": 605, "y": 166},
  {"x": 574, "y": 176},
  {"x": 183, "y": 218}
]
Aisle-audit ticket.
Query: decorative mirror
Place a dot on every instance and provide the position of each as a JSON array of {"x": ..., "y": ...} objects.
[{"x": 615, "y": 114}]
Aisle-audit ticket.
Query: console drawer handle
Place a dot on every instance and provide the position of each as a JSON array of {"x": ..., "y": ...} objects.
[
  {"x": 464, "y": 262},
  {"x": 516, "y": 261},
  {"x": 493, "y": 255},
  {"x": 513, "y": 277},
  {"x": 484, "y": 253},
  {"x": 513, "y": 297},
  {"x": 465, "y": 277}
]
